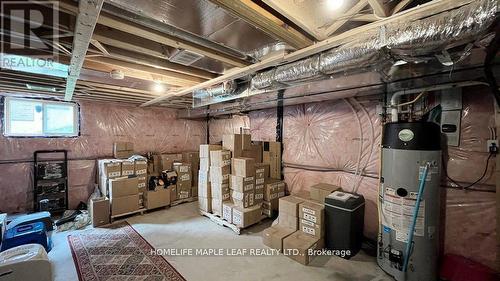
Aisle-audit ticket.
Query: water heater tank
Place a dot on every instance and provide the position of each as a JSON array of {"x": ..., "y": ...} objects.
[{"x": 409, "y": 150}]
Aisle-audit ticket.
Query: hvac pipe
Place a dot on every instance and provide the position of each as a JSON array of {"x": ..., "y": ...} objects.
[{"x": 397, "y": 95}]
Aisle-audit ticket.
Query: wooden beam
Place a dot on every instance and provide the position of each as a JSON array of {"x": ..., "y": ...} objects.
[
  {"x": 416, "y": 13},
  {"x": 364, "y": 17},
  {"x": 400, "y": 6},
  {"x": 153, "y": 35},
  {"x": 379, "y": 8},
  {"x": 265, "y": 21},
  {"x": 352, "y": 11},
  {"x": 88, "y": 13}
]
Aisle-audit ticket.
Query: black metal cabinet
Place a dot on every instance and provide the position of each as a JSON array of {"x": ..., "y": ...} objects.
[{"x": 51, "y": 181}]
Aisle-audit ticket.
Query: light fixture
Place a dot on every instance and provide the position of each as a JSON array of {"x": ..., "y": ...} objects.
[
  {"x": 334, "y": 4},
  {"x": 158, "y": 87}
]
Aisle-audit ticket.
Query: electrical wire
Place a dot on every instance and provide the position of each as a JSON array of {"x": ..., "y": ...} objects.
[{"x": 468, "y": 187}]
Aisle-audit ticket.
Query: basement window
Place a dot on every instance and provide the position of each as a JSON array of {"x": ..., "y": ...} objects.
[{"x": 25, "y": 117}]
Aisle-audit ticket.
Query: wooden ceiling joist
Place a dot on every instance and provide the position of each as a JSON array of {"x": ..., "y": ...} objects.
[
  {"x": 351, "y": 12},
  {"x": 379, "y": 8},
  {"x": 88, "y": 13},
  {"x": 265, "y": 21},
  {"x": 415, "y": 13},
  {"x": 400, "y": 6},
  {"x": 153, "y": 35}
]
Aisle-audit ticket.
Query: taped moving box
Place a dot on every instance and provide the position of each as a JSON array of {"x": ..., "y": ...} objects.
[
  {"x": 122, "y": 150},
  {"x": 303, "y": 243},
  {"x": 243, "y": 217},
  {"x": 271, "y": 154},
  {"x": 124, "y": 186},
  {"x": 313, "y": 212},
  {"x": 99, "y": 211},
  {"x": 125, "y": 204},
  {"x": 205, "y": 204},
  {"x": 128, "y": 167},
  {"x": 273, "y": 236},
  {"x": 243, "y": 167},
  {"x": 206, "y": 148},
  {"x": 160, "y": 197},
  {"x": 320, "y": 191}
]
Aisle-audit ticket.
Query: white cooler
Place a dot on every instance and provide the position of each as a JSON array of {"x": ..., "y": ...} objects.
[{"x": 27, "y": 262}]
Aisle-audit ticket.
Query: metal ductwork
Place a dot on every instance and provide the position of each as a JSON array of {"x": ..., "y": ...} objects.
[
  {"x": 412, "y": 41},
  {"x": 225, "y": 89}
]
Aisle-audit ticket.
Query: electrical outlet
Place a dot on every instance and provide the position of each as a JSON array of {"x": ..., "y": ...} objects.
[{"x": 490, "y": 143}]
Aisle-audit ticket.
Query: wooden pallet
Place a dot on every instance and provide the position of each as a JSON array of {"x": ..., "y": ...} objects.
[
  {"x": 218, "y": 220},
  {"x": 128, "y": 214},
  {"x": 181, "y": 201}
]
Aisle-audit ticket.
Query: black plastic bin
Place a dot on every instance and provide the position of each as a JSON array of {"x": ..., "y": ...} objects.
[{"x": 344, "y": 220}]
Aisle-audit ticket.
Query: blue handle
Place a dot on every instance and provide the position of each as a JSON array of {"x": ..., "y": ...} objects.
[{"x": 415, "y": 215}]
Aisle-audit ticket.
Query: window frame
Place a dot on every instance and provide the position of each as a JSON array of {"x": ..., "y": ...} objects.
[{"x": 7, "y": 122}]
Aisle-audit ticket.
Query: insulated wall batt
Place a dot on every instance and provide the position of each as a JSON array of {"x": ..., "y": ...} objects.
[{"x": 102, "y": 124}]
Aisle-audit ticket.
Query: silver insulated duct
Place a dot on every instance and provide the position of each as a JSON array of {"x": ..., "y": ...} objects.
[{"x": 408, "y": 41}]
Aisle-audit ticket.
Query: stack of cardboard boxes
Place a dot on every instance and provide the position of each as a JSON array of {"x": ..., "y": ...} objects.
[
  {"x": 244, "y": 209},
  {"x": 273, "y": 190},
  {"x": 204, "y": 185},
  {"x": 122, "y": 181},
  {"x": 193, "y": 158},
  {"x": 184, "y": 182},
  {"x": 220, "y": 170},
  {"x": 300, "y": 224}
]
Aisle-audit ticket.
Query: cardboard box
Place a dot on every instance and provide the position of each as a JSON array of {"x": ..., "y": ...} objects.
[
  {"x": 234, "y": 143},
  {"x": 205, "y": 204},
  {"x": 243, "y": 167},
  {"x": 141, "y": 167},
  {"x": 259, "y": 198},
  {"x": 99, "y": 211},
  {"x": 204, "y": 164},
  {"x": 220, "y": 158},
  {"x": 290, "y": 205},
  {"x": 206, "y": 148},
  {"x": 183, "y": 194},
  {"x": 122, "y": 150},
  {"x": 254, "y": 151},
  {"x": 125, "y": 204},
  {"x": 204, "y": 189},
  {"x": 167, "y": 161},
  {"x": 273, "y": 236},
  {"x": 183, "y": 186},
  {"x": 121, "y": 187},
  {"x": 271, "y": 154},
  {"x": 288, "y": 221},
  {"x": 244, "y": 217},
  {"x": 274, "y": 189},
  {"x": 142, "y": 182},
  {"x": 193, "y": 158},
  {"x": 194, "y": 190},
  {"x": 217, "y": 206},
  {"x": 173, "y": 192},
  {"x": 220, "y": 175},
  {"x": 157, "y": 198},
  {"x": 182, "y": 168},
  {"x": 128, "y": 167},
  {"x": 303, "y": 243},
  {"x": 243, "y": 199},
  {"x": 320, "y": 191},
  {"x": 261, "y": 170},
  {"x": 272, "y": 205},
  {"x": 242, "y": 184},
  {"x": 109, "y": 168},
  {"x": 313, "y": 229},
  {"x": 220, "y": 191},
  {"x": 312, "y": 211},
  {"x": 227, "y": 211}
]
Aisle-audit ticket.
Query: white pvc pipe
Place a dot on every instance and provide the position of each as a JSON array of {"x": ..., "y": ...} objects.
[{"x": 395, "y": 97}]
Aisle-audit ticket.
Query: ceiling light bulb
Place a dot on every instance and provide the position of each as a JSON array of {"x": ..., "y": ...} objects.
[
  {"x": 158, "y": 87},
  {"x": 334, "y": 4}
]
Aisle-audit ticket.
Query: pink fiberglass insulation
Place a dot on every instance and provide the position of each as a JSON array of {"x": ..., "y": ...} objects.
[
  {"x": 223, "y": 126},
  {"x": 327, "y": 136},
  {"x": 150, "y": 129}
]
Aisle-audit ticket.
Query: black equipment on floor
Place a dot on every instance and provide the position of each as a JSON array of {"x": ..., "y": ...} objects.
[{"x": 51, "y": 180}]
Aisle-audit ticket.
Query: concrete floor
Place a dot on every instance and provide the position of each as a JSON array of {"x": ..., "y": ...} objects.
[{"x": 182, "y": 227}]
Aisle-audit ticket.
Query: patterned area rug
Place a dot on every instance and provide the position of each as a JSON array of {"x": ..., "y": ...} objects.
[{"x": 118, "y": 253}]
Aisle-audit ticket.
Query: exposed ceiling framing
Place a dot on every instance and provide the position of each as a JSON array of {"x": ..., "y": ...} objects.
[
  {"x": 259, "y": 17},
  {"x": 88, "y": 13},
  {"x": 105, "y": 38},
  {"x": 419, "y": 12}
]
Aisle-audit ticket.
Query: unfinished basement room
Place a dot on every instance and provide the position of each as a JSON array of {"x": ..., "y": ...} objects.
[{"x": 253, "y": 140}]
